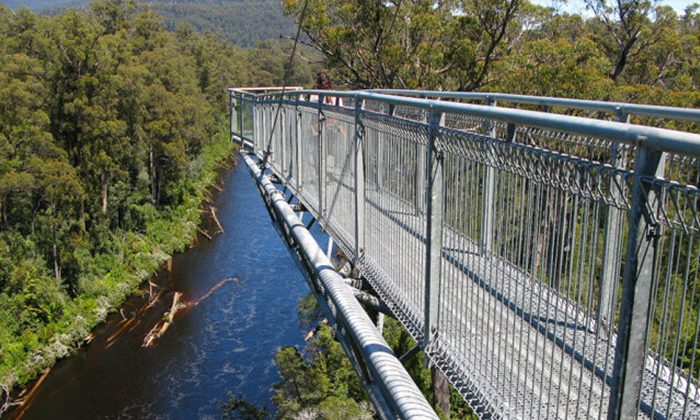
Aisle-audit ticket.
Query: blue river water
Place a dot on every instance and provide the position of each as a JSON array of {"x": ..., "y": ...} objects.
[{"x": 226, "y": 344}]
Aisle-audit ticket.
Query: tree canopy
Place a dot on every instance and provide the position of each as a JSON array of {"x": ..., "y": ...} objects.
[
  {"x": 242, "y": 22},
  {"x": 629, "y": 50},
  {"x": 109, "y": 125}
]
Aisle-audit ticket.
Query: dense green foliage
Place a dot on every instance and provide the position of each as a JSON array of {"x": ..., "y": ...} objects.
[
  {"x": 629, "y": 50},
  {"x": 319, "y": 382},
  {"x": 242, "y": 22},
  {"x": 110, "y": 129}
]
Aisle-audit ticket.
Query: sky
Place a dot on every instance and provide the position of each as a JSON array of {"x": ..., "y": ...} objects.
[{"x": 578, "y": 6}]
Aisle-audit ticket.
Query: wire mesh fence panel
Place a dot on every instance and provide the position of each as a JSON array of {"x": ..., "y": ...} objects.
[
  {"x": 247, "y": 122},
  {"x": 536, "y": 244},
  {"x": 594, "y": 149},
  {"x": 525, "y": 314},
  {"x": 463, "y": 122},
  {"x": 310, "y": 165},
  {"x": 339, "y": 159},
  {"x": 377, "y": 106},
  {"x": 289, "y": 140},
  {"x": 670, "y": 387},
  {"x": 258, "y": 123},
  {"x": 394, "y": 229},
  {"x": 682, "y": 169},
  {"x": 276, "y": 116},
  {"x": 392, "y": 163},
  {"x": 263, "y": 116},
  {"x": 411, "y": 113},
  {"x": 234, "y": 115}
]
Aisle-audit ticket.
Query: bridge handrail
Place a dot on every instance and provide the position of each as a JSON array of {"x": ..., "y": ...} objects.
[
  {"x": 262, "y": 89},
  {"x": 618, "y": 108},
  {"x": 660, "y": 139},
  {"x": 517, "y": 196}
]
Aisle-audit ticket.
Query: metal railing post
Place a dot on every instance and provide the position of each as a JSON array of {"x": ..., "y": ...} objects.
[
  {"x": 297, "y": 147},
  {"x": 321, "y": 159},
  {"x": 434, "y": 228},
  {"x": 420, "y": 176},
  {"x": 239, "y": 126},
  {"x": 232, "y": 115},
  {"x": 359, "y": 183},
  {"x": 489, "y": 195},
  {"x": 613, "y": 229},
  {"x": 642, "y": 242},
  {"x": 283, "y": 143}
]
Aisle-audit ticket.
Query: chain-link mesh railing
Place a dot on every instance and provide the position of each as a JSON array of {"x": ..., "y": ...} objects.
[{"x": 547, "y": 264}]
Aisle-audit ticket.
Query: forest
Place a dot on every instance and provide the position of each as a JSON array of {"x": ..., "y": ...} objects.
[
  {"x": 111, "y": 127},
  {"x": 631, "y": 50},
  {"x": 242, "y": 22},
  {"x": 113, "y": 122}
]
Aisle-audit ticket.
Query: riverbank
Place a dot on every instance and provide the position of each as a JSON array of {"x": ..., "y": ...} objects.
[
  {"x": 132, "y": 258},
  {"x": 224, "y": 344}
]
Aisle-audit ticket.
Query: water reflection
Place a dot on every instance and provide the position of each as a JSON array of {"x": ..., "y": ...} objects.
[{"x": 225, "y": 344}]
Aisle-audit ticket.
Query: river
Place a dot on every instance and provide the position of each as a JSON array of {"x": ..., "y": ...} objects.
[{"x": 224, "y": 345}]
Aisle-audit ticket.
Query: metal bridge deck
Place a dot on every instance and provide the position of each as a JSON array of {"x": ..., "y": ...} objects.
[
  {"x": 510, "y": 316},
  {"x": 548, "y": 264}
]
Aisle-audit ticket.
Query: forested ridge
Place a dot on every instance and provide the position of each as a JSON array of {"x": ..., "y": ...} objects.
[
  {"x": 111, "y": 127},
  {"x": 242, "y": 22},
  {"x": 43, "y": 4}
]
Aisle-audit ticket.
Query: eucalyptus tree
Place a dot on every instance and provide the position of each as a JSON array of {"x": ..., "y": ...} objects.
[
  {"x": 411, "y": 43},
  {"x": 627, "y": 29}
]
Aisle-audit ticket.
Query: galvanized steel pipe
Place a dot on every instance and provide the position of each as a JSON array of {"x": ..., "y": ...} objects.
[
  {"x": 656, "y": 111},
  {"x": 400, "y": 389},
  {"x": 660, "y": 139}
]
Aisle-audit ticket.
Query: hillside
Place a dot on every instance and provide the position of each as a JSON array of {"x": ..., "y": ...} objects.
[
  {"x": 41, "y": 4},
  {"x": 243, "y": 22}
]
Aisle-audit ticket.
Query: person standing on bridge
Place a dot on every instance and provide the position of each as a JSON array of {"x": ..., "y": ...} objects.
[{"x": 323, "y": 82}]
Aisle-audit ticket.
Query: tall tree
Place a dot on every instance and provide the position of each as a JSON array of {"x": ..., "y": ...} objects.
[
  {"x": 485, "y": 34},
  {"x": 411, "y": 43},
  {"x": 627, "y": 28}
]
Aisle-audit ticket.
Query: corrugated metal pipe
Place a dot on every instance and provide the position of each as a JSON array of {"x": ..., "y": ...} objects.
[{"x": 397, "y": 386}]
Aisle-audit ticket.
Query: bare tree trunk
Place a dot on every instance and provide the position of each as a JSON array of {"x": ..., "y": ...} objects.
[
  {"x": 621, "y": 61},
  {"x": 105, "y": 191},
  {"x": 441, "y": 388}
]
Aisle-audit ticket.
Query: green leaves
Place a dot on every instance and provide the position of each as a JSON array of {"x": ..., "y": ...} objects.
[
  {"x": 325, "y": 385},
  {"x": 108, "y": 135},
  {"x": 505, "y": 45},
  {"x": 410, "y": 43}
]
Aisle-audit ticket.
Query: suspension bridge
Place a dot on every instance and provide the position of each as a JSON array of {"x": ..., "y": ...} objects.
[{"x": 543, "y": 252}]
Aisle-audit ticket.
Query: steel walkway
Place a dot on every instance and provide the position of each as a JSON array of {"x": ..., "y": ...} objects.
[{"x": 500, "y": 239}]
